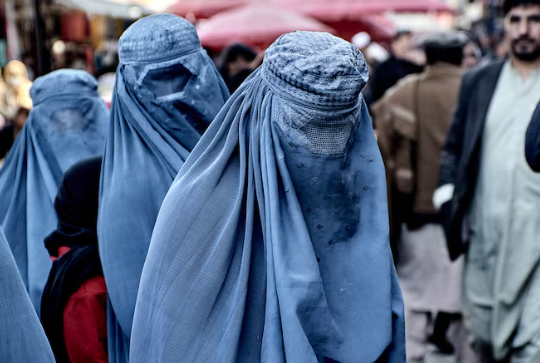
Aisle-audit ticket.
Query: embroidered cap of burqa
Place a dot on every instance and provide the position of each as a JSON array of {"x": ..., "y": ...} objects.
[
  {"x": 166, "y": 94},
  {"x": 22, "y": 338},
  {"x": 272, "y": 243},
  {"x": 66, "y": 125}
]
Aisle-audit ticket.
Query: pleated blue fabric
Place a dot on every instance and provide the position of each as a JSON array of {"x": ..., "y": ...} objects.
[
  {"x": 166, "y": 94},
  {"x": 22, "y": 338},
  {"x": 67, "y": 124},
  {"x": 272, "y": 243}
]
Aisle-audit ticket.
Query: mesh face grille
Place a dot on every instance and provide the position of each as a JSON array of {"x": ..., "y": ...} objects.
[
  {"x": 328, "y": 139},
  {"x": 321, "y": 133}
]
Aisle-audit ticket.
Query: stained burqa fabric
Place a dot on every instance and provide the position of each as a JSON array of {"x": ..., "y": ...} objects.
[
  {"x": 166, "y": 94},
  {"x": 76, "y": 206},
  {"x": 66, "y": 125},
  {"x": 22, "y": 338},
  {"x": 272, "y": 243}
]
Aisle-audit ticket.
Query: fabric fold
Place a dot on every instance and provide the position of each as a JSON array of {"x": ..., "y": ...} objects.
[{"x": 21, "y": 336}]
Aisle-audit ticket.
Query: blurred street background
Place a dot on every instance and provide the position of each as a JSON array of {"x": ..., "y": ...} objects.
[{"x": 52, "y": 34}]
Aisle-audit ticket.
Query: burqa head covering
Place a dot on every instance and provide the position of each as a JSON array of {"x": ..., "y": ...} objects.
[
  {"x": 272, "y": 243},
  {"x": 166, "y": 94},
  {"x": 67, "y": 124},
  {"x": 76, "y": 206},
  {"x": 21, "y": 336}
]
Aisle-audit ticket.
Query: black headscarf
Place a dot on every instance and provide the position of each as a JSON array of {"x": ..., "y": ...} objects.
[
  {"x": 231, "y": 54},
  {"x": 76, "y": 205}
]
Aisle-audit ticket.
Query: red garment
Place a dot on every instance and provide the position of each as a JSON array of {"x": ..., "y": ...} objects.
[
  {"x": 61, "y": 251},
  {"x": 85, "y": 323}
]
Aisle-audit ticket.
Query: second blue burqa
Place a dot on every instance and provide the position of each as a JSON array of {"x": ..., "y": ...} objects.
[
  {"x": 67, "y": 124},
  {"x": 272, "y": 243},
  {"x": 167, "y": 92}
]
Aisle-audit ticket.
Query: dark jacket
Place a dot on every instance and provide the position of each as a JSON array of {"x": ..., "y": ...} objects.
[
  {"x": 7, "y": 138},
  {"x": 460, "y": 159},
  {"x": 532, "y": 141},
  {"x": 388, "y": 73}
]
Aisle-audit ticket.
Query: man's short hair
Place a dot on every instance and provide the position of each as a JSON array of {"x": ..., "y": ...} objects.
[
  {"x": 508, "y": 5},
  {"x": 402, "y": 33},
  {"x": 444, "y": 47}
]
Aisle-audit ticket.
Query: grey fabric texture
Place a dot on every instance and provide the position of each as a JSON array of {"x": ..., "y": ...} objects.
[
  {"x": 166, "y": 94},
  {"x": 22, "y": 338},
  {"x": 66, "y": 125},
  {"x": 272, "y": 243}
]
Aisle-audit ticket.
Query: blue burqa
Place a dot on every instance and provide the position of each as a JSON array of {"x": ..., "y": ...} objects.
[
  {"x": 66, "y": 125},
  {"x": 272, "y": 243},
  {"x": 166, "y": 94},
  {"x": 22, "y": 338}
]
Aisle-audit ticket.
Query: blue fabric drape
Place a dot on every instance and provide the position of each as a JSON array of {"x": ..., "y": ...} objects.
[
  {"x": 22, "y": 338},
  {"x": 166, "y": 94},
  {"x": 66, "y": 125},
  {"x": 272, "y": 243}
]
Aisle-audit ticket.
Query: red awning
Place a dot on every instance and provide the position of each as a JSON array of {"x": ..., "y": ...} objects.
[
  {"x": 380, "y": 28},
  {"x": 325, "y": 10},
  {"x": 258, "y": 24},
  {"x": 335, "y": 10},
  {"x": 203, "y": 9}
]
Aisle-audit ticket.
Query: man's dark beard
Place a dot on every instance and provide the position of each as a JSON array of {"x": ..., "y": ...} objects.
[{"x": 528, "y": 56}]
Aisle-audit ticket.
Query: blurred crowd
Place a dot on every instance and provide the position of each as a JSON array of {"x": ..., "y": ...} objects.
[{"x": 263, "y": 205}]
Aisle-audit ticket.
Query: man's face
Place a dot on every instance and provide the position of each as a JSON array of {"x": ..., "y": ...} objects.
[
  {"x": 402, "y": 45},
  {"x": 522, "y": 25}
]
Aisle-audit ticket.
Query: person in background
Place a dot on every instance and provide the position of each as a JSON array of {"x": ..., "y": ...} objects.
[
  {"x": 489, "y": 195},
  {"x": 272, "y": 243},
  {"x": 237, "y": 62},
  {"x": 17, "y": 91},
  {"x": 472, "y": 53},
  {"x": 499, "y": 48},
  {"x": 67, "y": 124},
  {"x": 397, "y": 66},
  {"x": 167, "y": 93},
  {"x": 413, "y": 120},
  {"x": 22, "y": 337},
  {"x": 361, "y": 41},
  {"x": 74, "y": 302},
  {"x": 9, "y": 133}
]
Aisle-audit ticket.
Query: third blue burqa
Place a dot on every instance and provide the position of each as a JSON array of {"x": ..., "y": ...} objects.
[
  {"x": 166, "y": 94},
  {"x": 272, "y": 243},
  {"x": 67, "y": 124}
]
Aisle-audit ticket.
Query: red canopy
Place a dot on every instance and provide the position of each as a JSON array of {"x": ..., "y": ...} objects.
[
  {"x": 324, "y": 10},
  {"x": 380, "y": 28},
  {"x": 204, "y": 8},
  {"x": 335, "y": 10},
  {"x": 258, "y": 24}
]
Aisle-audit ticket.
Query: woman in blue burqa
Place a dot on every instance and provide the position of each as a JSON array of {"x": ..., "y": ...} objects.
[
  {"x": 272, "y": 243},
  {"x": 67, "y": 124},
  {"x": 166, "y": 94},
  {"x": 22, "y": 338}
]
